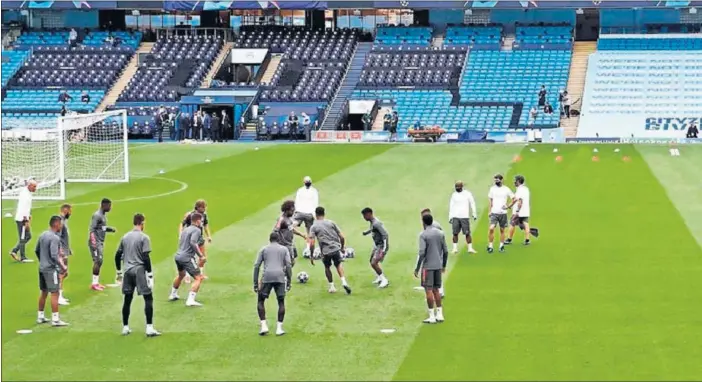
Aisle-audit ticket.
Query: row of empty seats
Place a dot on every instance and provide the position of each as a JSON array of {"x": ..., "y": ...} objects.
[
  {"x": 100, "y": 38},
  {"x": 12, "y": 61},
  {"x": 29, "y": 120},
  {"x": 653, "y": 43},
  {"x": 47, "y": 101},
  {"x": 403, "y": 35},
  {"x": 32, "y": 38},
  {"x": 536, "y": 35},
  {"x": 469, "y": 35}
]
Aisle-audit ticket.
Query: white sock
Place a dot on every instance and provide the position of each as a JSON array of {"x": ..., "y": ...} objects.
[
  {"x": 191, "y": 296},
  {"x": 343, "y": 281},
  {"x": 202, "y": 270},
  {"x": 264, "y": 323},
  {"x": 40, "y": 314},
  {"x": 455, "y": 246},
  {"x": 441, "y": 290},
  {"x": 174, "y": 291},
  {"x": 280, "y": 325},
  {"x": 502, "y": 244},
  {"x": 149, "y": 327},
  {"x": 126, "y": 327},
  {"x": 96, "y": 279},
  {"x": 54, "y": 316},
  {"x": 60, "y": 293},
  {"x": 439, "y": 311},
  {"x": 431, "y": 313},
  {"x": 308, "y": 246},
  {"x": 470, "y": 246},
  {"x": 490, "y": 245},
  {"x": 331, "y": 285},
  {"x": 382, "y": 277}
]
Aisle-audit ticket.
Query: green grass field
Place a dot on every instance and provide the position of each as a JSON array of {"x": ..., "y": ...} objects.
[{"x": 611, "y": 290}]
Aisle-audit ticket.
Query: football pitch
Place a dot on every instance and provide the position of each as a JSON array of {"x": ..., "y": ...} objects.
[{"x": 612, "y": 289}]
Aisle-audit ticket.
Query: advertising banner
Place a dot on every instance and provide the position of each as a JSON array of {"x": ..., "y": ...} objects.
[
  {"x": 636, "y": 125},
  {"x": 376, "y": 136},
  {"x": 248, "y": 56},
  {"x": 336, "y": 136},
  {"x": 508, "y": 136}
]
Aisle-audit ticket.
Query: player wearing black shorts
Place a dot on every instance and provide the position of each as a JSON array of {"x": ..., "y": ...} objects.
[
  {"x": 134, "y": 250},
  {"x": 431, "y": 262},
  {"x": 277, "y": 275},
  {"x": 331, "y": 244}
]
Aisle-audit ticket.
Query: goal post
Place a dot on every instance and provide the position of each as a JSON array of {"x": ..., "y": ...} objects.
[{"x": 89, "y": 148}]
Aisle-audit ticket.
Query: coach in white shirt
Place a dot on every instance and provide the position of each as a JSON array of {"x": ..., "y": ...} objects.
[
  {"x": 521, "y": 210},
  {"x": 306, "y": 201},
  {"x": 499, "y": 196},
  {"x": 460, "y": 207},
  {"x": 23, "y": 217}
]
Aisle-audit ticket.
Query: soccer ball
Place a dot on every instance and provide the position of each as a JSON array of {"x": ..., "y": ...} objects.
[
  {"x": 303, "y": 277},
  {"x": 349, "y": 254},
  {"x": 317, "y": 254}
]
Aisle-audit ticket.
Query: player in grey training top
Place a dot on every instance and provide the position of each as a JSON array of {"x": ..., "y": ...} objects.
[
  {"x": 64, "y": 214},
  {"x": 134, "y": 250},
  {"x": 186, "y": 259},
  {"x": 432, "y": 259},
  {"x": 277, "y": 275},
  {"x": 331, "y": 244},
  {"x": 436, "y": 225},
  {"x": 286, "y": 230},
  {"x": 380, "y": 248},
  {"x": 96, "y": 240},
  {"x": 50, "y": 255}
]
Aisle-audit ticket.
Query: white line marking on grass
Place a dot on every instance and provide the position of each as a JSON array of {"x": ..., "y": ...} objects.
[
  {"x": 183, "y": 187},
  {"x": 24, "y": 331}
]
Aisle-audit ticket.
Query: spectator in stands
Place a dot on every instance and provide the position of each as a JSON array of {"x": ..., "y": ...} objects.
[
  {"x": 161, "y": 123},
  {"x": 315, "y": 127},
  {"x": 548, "y": 109},
  {"x": 63, "y": 110},
  {"x": 216, "y": 128},
  {"x": 692, "y": 131},
  {"x": 65, "y": 97},
  {"x": 542, "y": 96},
  {"x": 395, "y": 121},
  {"x": 206, "y": 126},
  {"x": 533, "y": 114},
  {"x": 85, "y": 97},
  {"x": 72, "y": 37},
  {"x": 226, "y": 126},
  {"x": 561, "y": 94},
  {"x": 566, "y": 104},
  {"x": 197, "y": 125}
]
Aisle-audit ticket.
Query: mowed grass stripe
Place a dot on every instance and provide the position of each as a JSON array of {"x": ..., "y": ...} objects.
[
  {"x": 324, "y": 330},
  {"x": 610, "y": 291}
]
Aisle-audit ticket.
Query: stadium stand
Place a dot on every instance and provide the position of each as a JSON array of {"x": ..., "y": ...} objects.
[
  {"x": 631, "y": 79},
  {"x": 537, "y": 35},
  {"x": 47, "y": 101},
  {"x": 123, "y": 38},
  {"x": 474, "y": 36},
  {"x": 42, "y": 38},
  {"x": 426, "y": 68},
  {"x": 389, "y": 35},
  {"x": 12, "y": 61}
]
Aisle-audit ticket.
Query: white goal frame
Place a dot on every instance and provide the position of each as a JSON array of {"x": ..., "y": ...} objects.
[{"x": 59, "y": 136}]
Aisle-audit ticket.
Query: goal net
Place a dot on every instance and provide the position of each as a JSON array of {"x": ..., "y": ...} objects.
[{"x": 74, "y": 148}]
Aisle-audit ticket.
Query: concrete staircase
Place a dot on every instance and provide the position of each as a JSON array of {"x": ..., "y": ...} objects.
[
  {"x": 378, "y": 123},
  {"x": 271, "y": 68},
  {"x": 123, "y": 80},
  {"x": 249, "y": 132},
  {"x": 437, "y": 42},
  {"x": 223, "y": 54},
  {"x": 348, "y": 83},
  {"x": 508, "y": 43},
  {"x": 576, "y": 82}
]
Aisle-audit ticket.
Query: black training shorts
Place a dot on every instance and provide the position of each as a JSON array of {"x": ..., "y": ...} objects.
[
  {"x": 431, "y": 278},
  {"x": 266, "y": 289},
  {"x": 334, "y": 257}
]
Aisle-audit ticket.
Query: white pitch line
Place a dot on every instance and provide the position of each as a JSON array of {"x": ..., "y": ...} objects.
[{"x": 183, "y": 187}]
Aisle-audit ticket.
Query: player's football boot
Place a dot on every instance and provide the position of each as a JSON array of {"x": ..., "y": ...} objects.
[
  {"x": 173, "y": 297},
  {"x": 472, "y": 251},
  {"x": 347, "y": 289},
  {"x": 63, "y": 301},
  {"x": 26, "y": 260},
  {"x": 126, "y": 331},
  {"x": 490, "y": 250},
  {"x": 264, "y": 329},
  {"x": 15, "y": 257},
  {"x": 508, "y": 241},
  {"x": 439, "y": 317},
  {"x": 97, "y": 287},
  {"x": 377, "y": 280},
  {"x": 527, "y": 242},
  {"x": 42, "y": 320},
  {"x": 279, "y": 331},
  {"x": 455, "y": 251},
  {"x": 332, "y": 289},
  {"x": 384, "y": 283},
  {"x": 151, "y": 332},
  {"x": 430, "y": 320},
  {"x": 58, "y": 323},
  {"x": 192, "y": 303},
  {"x": 502, "y": 248}
]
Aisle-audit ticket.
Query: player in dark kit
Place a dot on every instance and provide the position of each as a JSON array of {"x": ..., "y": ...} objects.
[
  {"x": 134, "y": 250},
  {"x": 49, "y": 252},
  {"x": 431, "y": 261},
  {"x": 96, "y": 240},
  {"x": 380, "y": 248},
  {"x": 277, "y": 273},
  {"x": 285, "y": 227},
  {"x": 200, "y": 208},
  {"x": 332, "y": 244}
]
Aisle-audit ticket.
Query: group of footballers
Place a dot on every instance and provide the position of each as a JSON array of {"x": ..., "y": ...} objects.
[{"x": 134, "y": 269}]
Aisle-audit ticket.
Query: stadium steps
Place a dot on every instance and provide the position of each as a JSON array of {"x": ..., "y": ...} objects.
[
  {"x": 576, "y": 82},
  {"x": 508, "y": 43},
  {"x": 348, "y": 83},
  {"x": 437, "y": 42},
  {"x": 223, "y": 54},
  {"x": 123, "y": 80},
  {"x": 247, "y": 135},
  {"x": 271, "y": 68},
  {"x": 378, "y": 122}
]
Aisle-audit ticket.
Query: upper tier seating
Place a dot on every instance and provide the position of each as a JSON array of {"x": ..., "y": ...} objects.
[
  {"x": 12, "y": 61},
  {"x": 425, "y": 67},
  {"x": 470, "y": 35},
  {"x": 625, "y": 88},
  {"x": 78, "y": 68},
  {"x": 433, "y": 107},
  {"x": 537, "y": 35},
  {"x": 180, "y": 61},
  {"x": 129, "y": 39},
  {"x": 517, "y": 76},
  {"x": 47, "y": 101},
  {"x": 657, "y": 42},
  {"x": 403, "y": 35},
  {"x": 313, "y": 62},
  {"x": 42, "y": 38}
]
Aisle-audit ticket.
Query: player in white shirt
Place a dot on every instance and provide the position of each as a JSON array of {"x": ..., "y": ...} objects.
[
  {"x": 23, "y": 218},
  {"x": 521, "y": 211},
  {"x": 306, "y": 202},
  {"x": 499, "y": 196},
  {"x": 461, "y": 206}
]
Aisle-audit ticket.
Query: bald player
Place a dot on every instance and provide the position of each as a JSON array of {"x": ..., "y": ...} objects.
[
  {"x": 134, "y": 250},
  {"x": 23, "y": 218},
  {"x": 48, "y": 250},
  {"x": 332, "y": 244},
  {"x": 461, "y": 207},
  {"x": 431, "y": 261},
  {"x": 277, "y": 276},
  {"x": 306, "y": 201},
  {"x": 436, "y": 225}
]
